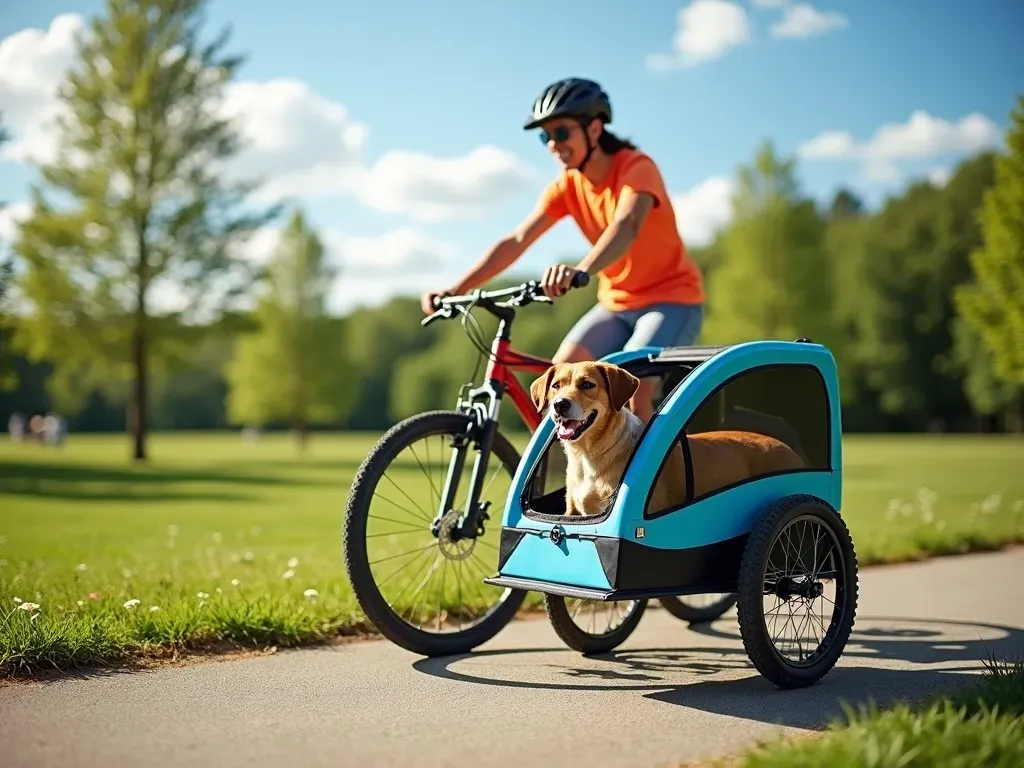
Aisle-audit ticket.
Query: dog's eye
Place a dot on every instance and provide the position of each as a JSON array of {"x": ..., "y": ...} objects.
[
  {"x": 556, "y": 385},
  {"x": 586, "y": 384}
]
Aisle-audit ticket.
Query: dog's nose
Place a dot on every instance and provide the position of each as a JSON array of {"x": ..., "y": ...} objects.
[{"x": 561, "y": 406}]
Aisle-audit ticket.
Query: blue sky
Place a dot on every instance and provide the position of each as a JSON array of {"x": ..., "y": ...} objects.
[{"x": 444, "y": 79}]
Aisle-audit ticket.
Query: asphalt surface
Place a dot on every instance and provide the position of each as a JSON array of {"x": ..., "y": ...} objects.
[{"x": 669, "y": 694}]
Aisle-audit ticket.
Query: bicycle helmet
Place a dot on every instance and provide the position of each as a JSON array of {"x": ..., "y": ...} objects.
[{"x": 572, "y": 97}]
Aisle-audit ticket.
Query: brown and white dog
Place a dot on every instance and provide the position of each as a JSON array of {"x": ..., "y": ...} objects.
[{"x": 587, "y": 403}]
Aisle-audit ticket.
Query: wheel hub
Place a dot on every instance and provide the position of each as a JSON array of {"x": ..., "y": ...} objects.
[
  {"x": 788, "y": 588},
  {"x": 452, "y": 545}
]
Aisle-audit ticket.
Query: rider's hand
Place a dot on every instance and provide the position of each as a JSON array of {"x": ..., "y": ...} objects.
[
  {"x": 427, "y": 301},
  {"x": 558, "y": 279}
]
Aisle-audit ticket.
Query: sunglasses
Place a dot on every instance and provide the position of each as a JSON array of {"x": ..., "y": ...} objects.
[{"x": 559, "y": 134}]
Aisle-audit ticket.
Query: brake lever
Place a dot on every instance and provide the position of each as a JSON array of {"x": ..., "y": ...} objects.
[{"x": 445, "y": 312}]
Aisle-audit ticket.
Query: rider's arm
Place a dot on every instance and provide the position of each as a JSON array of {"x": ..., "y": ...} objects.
[
  {"x": 615, "y": 240},
  {"x": 507, "y": 250}
]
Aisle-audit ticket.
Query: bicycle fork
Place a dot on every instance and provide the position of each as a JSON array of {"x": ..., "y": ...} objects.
[{"x": 482, "y": 433}]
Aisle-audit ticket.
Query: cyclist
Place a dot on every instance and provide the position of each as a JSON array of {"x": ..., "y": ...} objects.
[{"x": 649, "y": 291}]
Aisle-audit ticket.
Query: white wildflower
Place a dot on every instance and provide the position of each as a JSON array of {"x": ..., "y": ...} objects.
[
  {"x": 219, "y": 591},
  {"x": 991, "y": 504},
  {"x": 310, "y": 593},
  {"x": 81, "y": 567},
  {"x": 28, "y": 607},
  {"x": 248, "y": 557},
  {"x": 202, "y": 595},
  {"x": 132, "y": 603},
  {"x": 926, "y": 497},
  {"x": 893, "y": 510},
  {"x": 154, "y": 608},
  {"x": 235, "y": 582},
  {"x": 293, "y": 563},
  {"x": 17, "y": 599},
  {"x": 81, "y": 603},
  {"x": 288, "y": 574}
]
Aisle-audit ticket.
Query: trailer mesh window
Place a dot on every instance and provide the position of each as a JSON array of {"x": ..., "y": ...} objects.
[{"x": 788, "y": 402}]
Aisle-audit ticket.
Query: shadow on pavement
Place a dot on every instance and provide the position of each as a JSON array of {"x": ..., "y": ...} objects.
[{"x": 943, "y": 653}]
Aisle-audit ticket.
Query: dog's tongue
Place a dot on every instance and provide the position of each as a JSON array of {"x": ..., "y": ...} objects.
[{"x": 566, "y": 428}]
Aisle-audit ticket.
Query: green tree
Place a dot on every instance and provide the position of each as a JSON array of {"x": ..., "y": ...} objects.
[
  {"x": 898, "y": 281},
  {"x": 140, "y": 166},
  {"x": 294, "y": 367},
  {"x": 993, "y": 302},
  {"x": 774, "y": 280},
  {"x": 7, "y": 378}
]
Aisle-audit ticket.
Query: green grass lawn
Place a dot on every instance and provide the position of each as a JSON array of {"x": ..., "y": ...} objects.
[
  {"x": 978, "y": 724},
  {"x": 221, "y": 539}
]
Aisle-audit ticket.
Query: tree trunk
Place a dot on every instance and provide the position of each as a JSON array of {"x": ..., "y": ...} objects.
[
  {"x": 300, "y": 430},
  {"x": 139, "y": 339},
  {"x": 139, "y": 420}
]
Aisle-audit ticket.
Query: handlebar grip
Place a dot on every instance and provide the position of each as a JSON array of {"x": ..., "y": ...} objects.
[{"x": 580, "y": 280}]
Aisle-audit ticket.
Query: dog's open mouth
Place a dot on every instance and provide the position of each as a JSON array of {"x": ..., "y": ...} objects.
[{"x": 571, "y": 429}]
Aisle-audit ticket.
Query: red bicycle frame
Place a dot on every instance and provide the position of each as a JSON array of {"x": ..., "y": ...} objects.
[{"x": 500, "y": 368}]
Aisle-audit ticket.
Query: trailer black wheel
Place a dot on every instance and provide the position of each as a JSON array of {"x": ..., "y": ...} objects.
[
  {"x": 797, "y": 591},
  {"x": 699, "y": 609},
  {"x": 623, "y": 615}
]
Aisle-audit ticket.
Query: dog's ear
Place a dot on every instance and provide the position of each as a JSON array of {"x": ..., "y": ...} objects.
[
  {"x": 621, "y": 384},
  {"x": 539, "y": 389}
]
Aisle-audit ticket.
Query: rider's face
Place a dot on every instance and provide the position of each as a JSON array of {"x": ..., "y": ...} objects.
[{"x": 565, "y": 140}]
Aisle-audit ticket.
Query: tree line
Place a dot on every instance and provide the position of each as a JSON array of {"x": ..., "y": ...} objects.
[{"x": 921, "y": 301}]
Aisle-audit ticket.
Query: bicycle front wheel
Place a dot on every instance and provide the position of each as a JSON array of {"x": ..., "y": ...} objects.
[{"x": 423, "y": 589}]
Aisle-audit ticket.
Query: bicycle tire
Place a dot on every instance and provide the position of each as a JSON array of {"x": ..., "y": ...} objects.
[
  {"x": 579, "y": 639},
  {"x": 367, "y": 594},
  {"x": 679, "y": 608}
]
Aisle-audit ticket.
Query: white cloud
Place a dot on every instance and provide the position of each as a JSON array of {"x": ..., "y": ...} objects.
[
  {"x": 299, "y": 143},
  {"x": 706, "y": 30},
  {"x": 32, "y": 63},
  {"x": 372, "y": 269},
  {"x": 922, "y": 136},
  {"x": 430, "y": 188},
  {"x": 770, "y": 3},
  {"x": 10, "y": 215},
  {"x": 400, "y": 253},
  {"x": 703, "y": 210},
  {"x": 939, "y": 176},
  {"x": 828, "y": 144},
  {"x": 804, "y": 20}
]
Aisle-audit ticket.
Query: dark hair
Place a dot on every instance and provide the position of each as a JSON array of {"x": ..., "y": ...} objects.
[{"x": 611, "y": 143}]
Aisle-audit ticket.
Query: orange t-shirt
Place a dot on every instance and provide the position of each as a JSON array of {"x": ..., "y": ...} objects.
[{"x": 656, "y": 267}]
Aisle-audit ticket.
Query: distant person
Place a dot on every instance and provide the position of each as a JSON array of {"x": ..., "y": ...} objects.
[
  {"x": 53, "y": 429},
  {"x": 649, "y": 291},
  {"x": 35, "y": 426},
  {"x": 16, "y": 426}
]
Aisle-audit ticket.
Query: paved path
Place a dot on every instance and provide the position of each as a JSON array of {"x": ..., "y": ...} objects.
[{"x": 670, "y": 693}]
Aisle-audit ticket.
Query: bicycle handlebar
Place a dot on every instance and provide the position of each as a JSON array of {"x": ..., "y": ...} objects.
[{"x": 518, "y": 296}]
